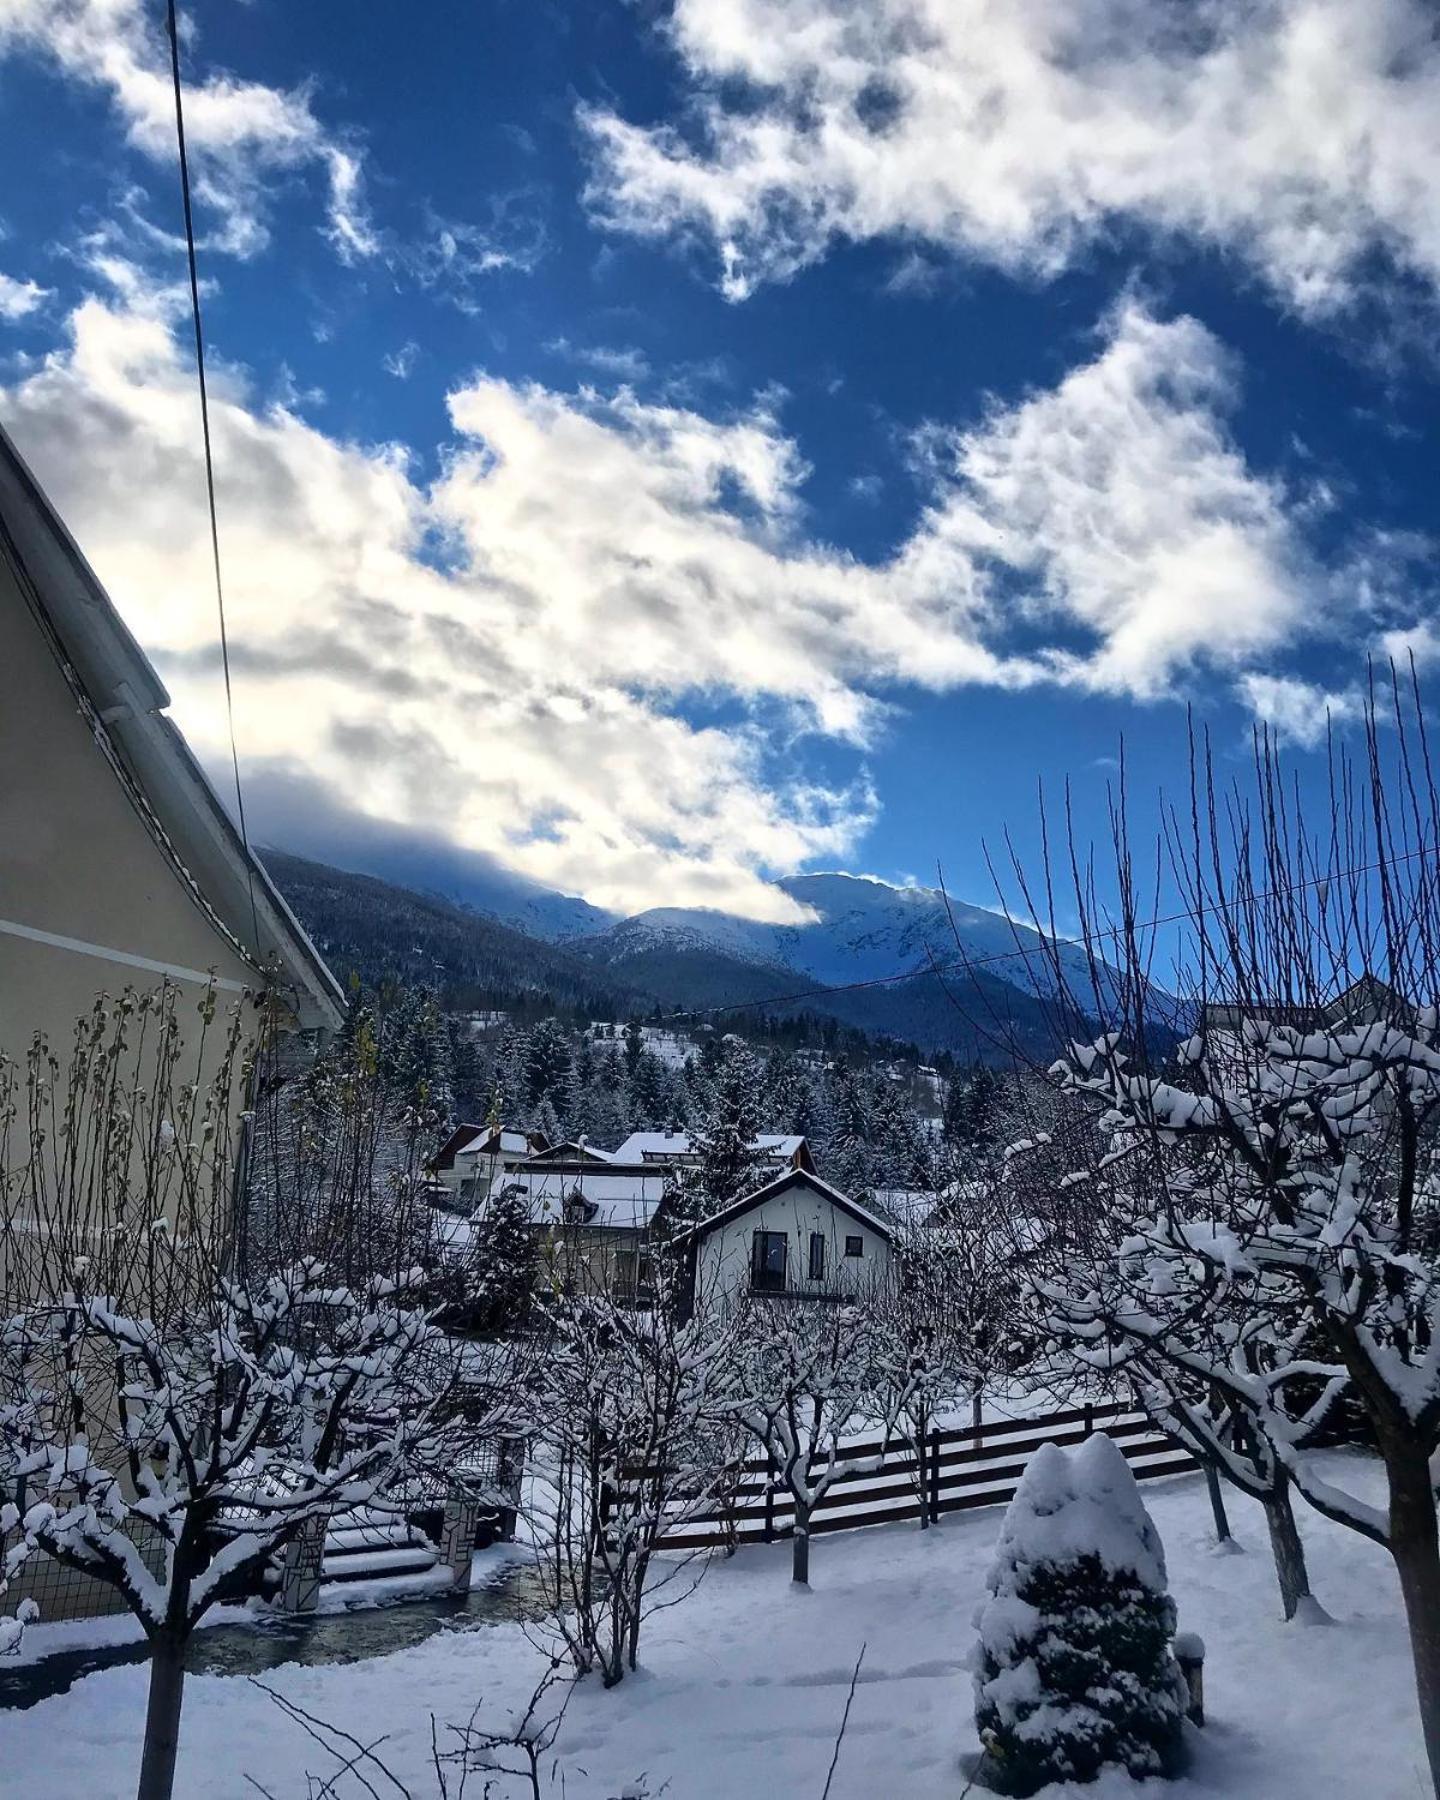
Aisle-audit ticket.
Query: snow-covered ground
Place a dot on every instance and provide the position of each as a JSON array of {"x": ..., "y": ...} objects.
[{"x": 744, "y": 1684}]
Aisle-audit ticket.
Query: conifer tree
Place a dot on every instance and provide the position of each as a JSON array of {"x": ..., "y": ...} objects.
[
  {"x": 1075, "y": 1672},
  {"x": 727, "y": 1164}
]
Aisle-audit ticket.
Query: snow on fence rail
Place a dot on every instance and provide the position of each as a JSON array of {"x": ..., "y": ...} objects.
[{"x": 948, "y": 1471}]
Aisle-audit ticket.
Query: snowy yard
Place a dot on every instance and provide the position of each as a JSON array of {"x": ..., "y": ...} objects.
[{"x": 744, "y": 1684}]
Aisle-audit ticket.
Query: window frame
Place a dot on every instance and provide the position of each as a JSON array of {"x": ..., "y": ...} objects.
[
  {"x": 763, "y": 1279},
  {"x": 855, "y": 1243},
  {"x": 816, "y": 1263}
]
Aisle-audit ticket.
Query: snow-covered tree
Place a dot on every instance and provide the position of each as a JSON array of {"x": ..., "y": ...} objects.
[
  {"x": 498, "y": 1274},
  {"x": 626, "y": 1406},
  {"x": 806, "y": 1377},
  {"x": 1074, "y": 1671},
  {"x": 173, "y": 1411},
  {"x": 1267, "y": 1228},
  {"x": 727, "y": 1165}
]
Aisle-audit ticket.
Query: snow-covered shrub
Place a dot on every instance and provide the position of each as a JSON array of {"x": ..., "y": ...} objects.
[{"x": 1075, "y": 1671}]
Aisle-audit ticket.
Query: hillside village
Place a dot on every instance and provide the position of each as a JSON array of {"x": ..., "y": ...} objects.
[
  {"x": 525, "y": 1272},
  {"x": 557, "y": 1314}
]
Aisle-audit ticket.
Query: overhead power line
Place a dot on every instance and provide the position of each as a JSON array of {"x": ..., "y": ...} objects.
[
  {"x": 1185, "y": 915},
  {"x": 174, "y": 34}
]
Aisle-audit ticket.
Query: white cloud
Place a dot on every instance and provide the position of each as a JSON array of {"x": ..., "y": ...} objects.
[
  {"x": 401, "y": 363},
  {"x": 616, "y": 362},
  {"x": 18, "y": 299},
  {"x": 455, "y": 257},
  {"x": 502, "y": 656},
  {"x": 1302, "y": 134},
  {"x": 1298, "y": 712},
  {"x": 240, "y": 134},
  {"x": 1418, "y": 643},
  {"x": 1117, "y": 503}
]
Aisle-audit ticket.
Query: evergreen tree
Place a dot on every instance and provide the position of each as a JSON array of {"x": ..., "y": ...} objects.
[
  {"x": 500, "y": 1275},
  {"x": 417, "y": 1059},
  {"x": 727, "y": 1164},
  {"x": 508, "y": 1077},
  {"x": 1075, "y": 1672},
  {"x": 973, "y": 1107},
  {"x": 547, "y": 1066},
  {"x": 848, "y": 1159},
  {"x": 468, "y": 1075}
]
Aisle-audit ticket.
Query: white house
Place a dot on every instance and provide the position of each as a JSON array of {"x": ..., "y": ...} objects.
[
  {"x": 594, "y": 1216},
  {"x": 795, "y": 1238},
  {"x": 475, "y": 1157}
]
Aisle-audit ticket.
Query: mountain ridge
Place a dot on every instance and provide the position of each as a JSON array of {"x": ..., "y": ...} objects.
[{"x": 867, "y": 957}]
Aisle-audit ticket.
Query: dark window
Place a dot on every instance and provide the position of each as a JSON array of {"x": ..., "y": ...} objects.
[
  {"x": 817, "y": 1256},
  {"x": 767, "y": 1262},
  {"x": 855, "y": 1246}
]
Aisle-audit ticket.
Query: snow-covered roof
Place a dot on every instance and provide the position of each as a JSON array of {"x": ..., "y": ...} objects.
[
  {"x": 907, "y": 1206},
  {"x": 862, "y": 1215},
  {"x": 667, "y": 1146},
  {"x": 485, "y": 1140},
  {"x": 621, "y": 1198},
  {"x": 576, "y": 1150}
]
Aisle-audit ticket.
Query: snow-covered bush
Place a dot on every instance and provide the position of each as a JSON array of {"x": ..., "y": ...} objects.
[{"x": 1075, "y": 1671}]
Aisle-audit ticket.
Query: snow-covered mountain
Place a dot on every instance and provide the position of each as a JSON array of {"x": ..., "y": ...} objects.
[
  {"x": 859, "y": 929},
  {"x": 510, "y": 936}
]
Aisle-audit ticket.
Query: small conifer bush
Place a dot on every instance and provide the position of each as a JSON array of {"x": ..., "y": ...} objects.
[{"x": 1075, "y": 1672}]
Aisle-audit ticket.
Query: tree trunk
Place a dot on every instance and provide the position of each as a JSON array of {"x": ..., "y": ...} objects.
[
  {"x": 162, "y": 1716},
  {"x": 1416, "y": 1549},
  {"x": 1217, "y": 1504},
  {"x": 800, "y": 1556},
  {"x": 1288, "y": 1550}
]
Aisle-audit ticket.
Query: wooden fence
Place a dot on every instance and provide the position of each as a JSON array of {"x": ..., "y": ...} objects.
[{"x": 949, "y": 1471}]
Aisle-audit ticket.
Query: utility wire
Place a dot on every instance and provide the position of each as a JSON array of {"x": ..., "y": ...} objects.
[
  {"x": 1003, "y": 956},
  {"x": 174, "y": 34}
]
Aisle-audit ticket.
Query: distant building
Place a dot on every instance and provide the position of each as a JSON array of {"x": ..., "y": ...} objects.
[
  {"x": 597, "y": 1211},
  {"x": 595, "y": 1217},
  {"x": 474, "y": 1157},
  {"x": 676, "y": 1148},
  {"x": 1364, "y": 1002}
]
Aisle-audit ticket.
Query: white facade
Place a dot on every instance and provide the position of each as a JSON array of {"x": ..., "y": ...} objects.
[{"x": 850, "y": 1248}]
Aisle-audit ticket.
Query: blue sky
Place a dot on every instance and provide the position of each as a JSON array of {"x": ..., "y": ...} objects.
[{"x": 668, "y": 447}]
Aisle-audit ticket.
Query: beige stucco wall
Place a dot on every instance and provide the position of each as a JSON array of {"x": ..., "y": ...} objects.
[{"x": 75, "y": 859}]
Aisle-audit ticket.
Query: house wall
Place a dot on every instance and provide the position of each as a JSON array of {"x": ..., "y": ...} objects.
[
  {"x": 587, "y": 1260},
  {"x": 722, "y": 1262},
  {"x": 77, "y": 861}
]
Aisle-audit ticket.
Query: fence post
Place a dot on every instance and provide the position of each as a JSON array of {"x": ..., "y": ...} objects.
[
  {"x": 1190, "y": 1654},
  {"x": 769, "y": 1496},
  {"x": 1089, "y": 1420},
  {"x": 509, "y": 1473},
  {"x": 457, "y": 1539},
  {"x": 303, "y": 1566},
  {"x": 935, "y": 1475}
]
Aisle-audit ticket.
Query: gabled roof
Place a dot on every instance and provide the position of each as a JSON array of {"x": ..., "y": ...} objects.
[
  {"x": 862, "y": 1215},
  {"x": 486, "y": 1140},
  {"x": 123, "y": 702},
  {"x": 573, "y": 1150}
]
